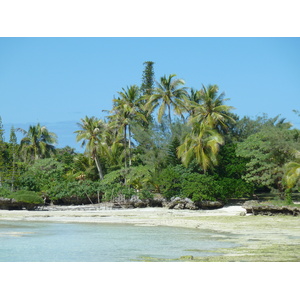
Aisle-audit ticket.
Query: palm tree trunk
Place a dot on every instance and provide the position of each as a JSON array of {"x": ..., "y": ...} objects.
[
  {"x": 98, "y": 164},
  {"x": 125, "y": 148},
  {"x": 129, "y": 144},
  {"x": 170, "y": 120}
]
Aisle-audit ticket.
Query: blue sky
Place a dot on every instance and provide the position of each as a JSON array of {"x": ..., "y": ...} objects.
[{"x": 58, "y": 81}]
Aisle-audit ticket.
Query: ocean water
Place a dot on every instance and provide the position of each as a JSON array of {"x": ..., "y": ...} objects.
[{"x": 86, "y": 242}]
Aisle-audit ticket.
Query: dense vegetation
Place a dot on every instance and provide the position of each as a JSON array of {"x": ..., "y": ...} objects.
[{"x": 159, "y": 137}]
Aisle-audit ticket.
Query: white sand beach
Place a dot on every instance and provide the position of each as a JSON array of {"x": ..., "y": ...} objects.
[{"x": 151, "y": 216}]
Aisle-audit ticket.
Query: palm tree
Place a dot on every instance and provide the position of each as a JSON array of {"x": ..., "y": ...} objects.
[
  {"x": 203, "y": 145},
  {"x": 92, "y": 134},
  {"x": 167, "y": 95},
  {"x": 211, "y": 109},
  {"x": 38, "y": 142},
  {"x": 292, "y": 175},
  {"x": 191, "y": 99},
  {"x": 292, "y": 171},
  {"x": 127, "y": 109}
]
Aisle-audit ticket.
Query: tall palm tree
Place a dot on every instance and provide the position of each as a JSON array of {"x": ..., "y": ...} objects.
[
  {"x": 167, "y": 95},
  {"x": 211, "y": 109},
  {"x": 92, "y": 133},
  {"x": 38, "y": 142},
  {"x": 203, "y": 145},
  {"x": 127, "y": 109}
]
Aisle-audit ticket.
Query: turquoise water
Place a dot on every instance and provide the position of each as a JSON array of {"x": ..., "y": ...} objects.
[{"x": 85, "y": 242}]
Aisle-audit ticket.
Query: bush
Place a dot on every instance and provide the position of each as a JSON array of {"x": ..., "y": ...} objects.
[
  {"x": 170, "y": 181},
  {"x": 180, "y": 181},
  {"x": 42, "y": 175},
  {"x": 199, "y": 187},
  {"x": 145, "y": 195},
  {"x": 75, "y": 192},
  {"x": 113, "y": 191},
  {"x": 27, "y": 199},
  {"x": 236, "y": 188},
  {"x": 5, "y": 193}
]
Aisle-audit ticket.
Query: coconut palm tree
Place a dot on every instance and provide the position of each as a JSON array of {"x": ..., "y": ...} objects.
[
  {"x": 37, "y": 143},
  {"x": 211, "y": 109},
  {"x": 92, "y": 134},
  {"x": 292, "y": 175},
  {"x": 190, "y": 100},
  {"x": 292, "y": 171},
  {"x": 127, "y": 109},
  {"x": 167, "y": 95},
  {"x": 203, "y": 145}
]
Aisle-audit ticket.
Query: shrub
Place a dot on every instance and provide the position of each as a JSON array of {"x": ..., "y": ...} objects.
[
  {"x": 171, "y": 181},
  {"x": 75, "y": 192},
  {"x": 145, "y": 195},
  {"x": 28, "y": 199},
  {"x": 235, "y": 188},
  {"x": 199, "y": 187},
  {"x": 5, "y": 193}
]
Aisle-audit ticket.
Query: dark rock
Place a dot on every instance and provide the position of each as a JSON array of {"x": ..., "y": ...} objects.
[
  {"x": 12, "y": 204},
  {"x": 209, "y": 204},
  {"x": 255, "y": 208}
]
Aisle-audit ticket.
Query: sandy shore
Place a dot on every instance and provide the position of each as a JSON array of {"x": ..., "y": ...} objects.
[
  {"x": 261, "y": 238},
  {"x": 154, "y": 216}
]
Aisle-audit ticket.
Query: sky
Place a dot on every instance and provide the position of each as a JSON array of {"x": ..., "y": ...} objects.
[{"x": 58, "y": 81}]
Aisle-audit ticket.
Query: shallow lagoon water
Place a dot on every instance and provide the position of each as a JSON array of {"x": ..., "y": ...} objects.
[{"x": 92, "y": 242}]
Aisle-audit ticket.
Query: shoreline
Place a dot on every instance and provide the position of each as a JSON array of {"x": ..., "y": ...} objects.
[
  {"x": 151, "y": 216},
  {"x": 260, "y": 238}
]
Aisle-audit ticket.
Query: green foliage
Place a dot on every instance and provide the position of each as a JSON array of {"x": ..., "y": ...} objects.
[
  {"x": 148, "y": 78},
  {"x": 180, "y": 181},
  {"x": 170, "y": 181},
  {"x": 4, "y": 192},
  {"x": 27, "y": 197},
  {"x": 1, "y": 131},
  {"x": 267, "y": 152},
  {"x": 145, "y": 194},
  {"x": 43, "y": 174},
  {"x": 200, "y": 187},
  {"x": 138, "y": 177},
  {"x": 38, "y": 142},
  {"x": 172, "y": 158},
  {"x": 152, "y": 145},
  {"x": 75, "y": 192},
  {"x": 116, "y": 190},
  {"x": 235, "y": 188},
  {"x": 230, "y": 165}
]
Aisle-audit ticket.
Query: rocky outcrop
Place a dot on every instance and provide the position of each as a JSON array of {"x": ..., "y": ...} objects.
[
  {"x": 12, "y": 204},
  {"x": 180, "y": 203},
  {"x": 186, "y": 203},
  {"x": 136, "y": 202},
  {"x": 7, "y": 203},
  {"x": 255, "y": 208},
  {"x": 209, "y": 204}
]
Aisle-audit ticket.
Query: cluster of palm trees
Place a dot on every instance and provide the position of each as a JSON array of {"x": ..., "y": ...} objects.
[
  {"x": 111, "y": 140},
  {"x": 203, "y": 111}
]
